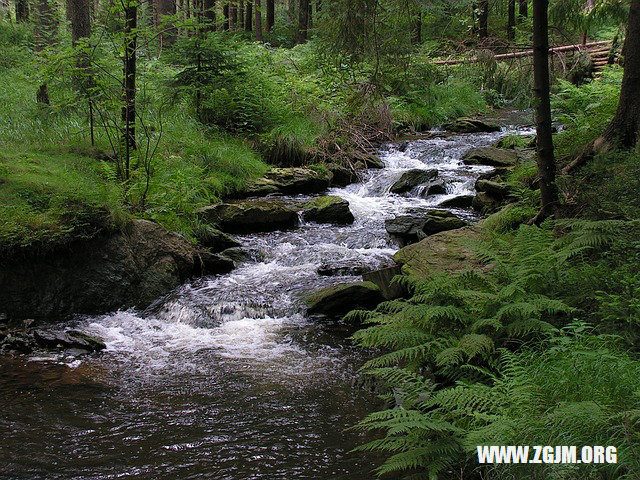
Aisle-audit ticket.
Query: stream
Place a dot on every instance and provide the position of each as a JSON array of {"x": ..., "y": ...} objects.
[{"x": 225, "y": 378}]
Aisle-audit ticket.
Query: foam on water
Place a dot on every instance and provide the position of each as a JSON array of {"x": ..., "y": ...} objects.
[
  {"x": 245, "y": 314},
  {"x": 225, "y": 377}
]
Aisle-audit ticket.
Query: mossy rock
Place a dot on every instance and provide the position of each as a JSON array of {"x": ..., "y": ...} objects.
[
  {"x": 484, "y": 202},
  {"x": 498, "y": 190},
  {"x": 412, "y": 178},
  {"x": 251, "y": 216},
  {"x": 461, "y": 201},
  {"x": 373, "y": 161},
  {"x": 471, "y": 125},
  {"x": 414, "y": 227},
  {"x": 328, "y": 209},
  {"x": 491, "y": 156},
  {"x": 516, "y": 142},
  {"x": 215, "y": 240},
  {"x": 339, "y": 299},
  {"x": 342, "y": 176},
  {"x": 441, "y": 220},
  {"x": 443, "y": 252},
  {"x": 289, "y": 181},
  {"x": 297, "y": 180}
]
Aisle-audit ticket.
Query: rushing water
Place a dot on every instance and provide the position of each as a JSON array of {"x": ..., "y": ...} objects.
[{"x": 225, "y": 378}]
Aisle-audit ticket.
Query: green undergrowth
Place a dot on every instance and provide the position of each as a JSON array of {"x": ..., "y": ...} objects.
[
  {"x": 539, "y": 347},
  {"x": 260, "y": 105},
  {"x": 48, "y": 200}
]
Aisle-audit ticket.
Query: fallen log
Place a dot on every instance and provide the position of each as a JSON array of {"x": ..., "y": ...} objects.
[{"x": 527, "y": 53}]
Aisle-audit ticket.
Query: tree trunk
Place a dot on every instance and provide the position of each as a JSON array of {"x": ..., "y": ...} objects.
[
  {"x": 523, "y": 9},
  {"x": 165, "y": 8},
  {"x": 291, "y": 11},
  {"x": 240, "y": 14},
  {"x": 303, "y": 21},
  {"x": 544, "y": 143},
  {"x": 248, "y": 18},
  {"x": 79, "y": 15},
  {"x": 209, "y": 7},
  {"x": 624, "y": 129},
  {"x": 483, "y": 18},
  {"x": 233, "y": 15},
  {"x": 511, "y": 23},
  {"x": 415, "y": 25},
  {"x": 22, "y": 10},
  {"x": 271, "y": 11},
  {"x": 225, "y": 13},
  {"x": 258, "y": 20},
  {"x": 129, "y": 90},
  {"x": 45, "y": 33}
]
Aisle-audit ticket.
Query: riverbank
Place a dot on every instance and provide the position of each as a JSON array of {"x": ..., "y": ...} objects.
[{"x": 236, "y": 348}]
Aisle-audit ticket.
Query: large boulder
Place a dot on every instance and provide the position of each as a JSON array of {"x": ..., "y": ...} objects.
[
  {"x": 498, "y": 190},
  {"x": 342, "y": 268},
  {"x": 214, "y": 240},
  {"x": 441, "y": 220},
  {"x": 126, "y": 269},
  {"x": 383, "y": 279},
  {"x": 405, "y": 228},
  {"x": 491, "y": 156},
  {"x": 461, "y": 201},
  {"x": 339, "y": 299},
  {"x": 443, "y": 252},
  {"x": 289, "y": 181},
  {"x": 412, "y": 178},
  {"x": 373, "y": 161},
  {"x": 471, "y": 125},
  {"x": 214, "y": 263},
  {"x": 328, "y": 209},
  {"x": 69, "y": 339},
  {"x": 251, "y": 216},
  {"x": 485, "y": 202},
  {"x": 411, "y": 228},
  {"x": 341, "y": 176}
]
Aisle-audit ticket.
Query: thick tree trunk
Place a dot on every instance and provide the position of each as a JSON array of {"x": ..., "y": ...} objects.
[
  {"x": 79, "y": 15},
  {"x": 303, "y": 21},
  {"x": 624, "y": 129},
  {"x": 523, "y": 9},
  {"x": 225, "y": 13},
  {"x": 240, "y": 14},
  {"x": 210, "y": 13},
  {"x": 129, "y": 90},
  {"x": 511, "y": 22},
  {"x": 545, "y": 158},
  {"x": 22, "y": 10},
  {"x": 291, "y": 11},
  {"x": 248, "y": 18},
  {"x": 258, "y": 20},
  {"x": 483, "y": 18},
  {"x": 271, "y": 12}
]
